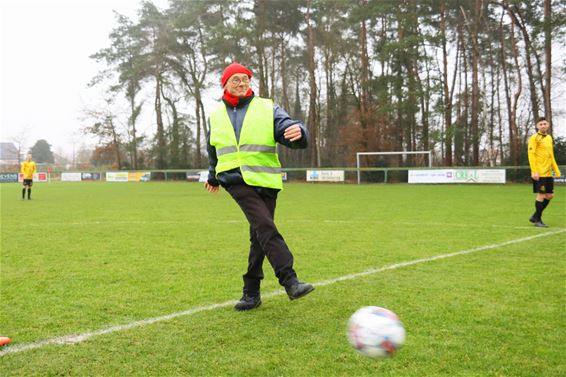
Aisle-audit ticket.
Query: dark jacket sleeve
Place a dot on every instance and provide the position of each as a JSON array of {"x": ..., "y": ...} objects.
[
  {"x": 282, "y": 121},
  {"x": 212, "y": 159}
]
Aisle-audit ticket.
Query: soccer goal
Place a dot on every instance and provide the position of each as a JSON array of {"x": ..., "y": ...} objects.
[{"x": 389, "y": 154}]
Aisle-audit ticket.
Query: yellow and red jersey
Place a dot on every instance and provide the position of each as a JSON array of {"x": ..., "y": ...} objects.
[
  {"x": 28, "y": 169},
  {"x": 541, "y": 155}
]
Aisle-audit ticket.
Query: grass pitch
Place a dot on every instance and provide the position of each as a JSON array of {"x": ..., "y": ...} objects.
[{"x": 83, "y": 257}]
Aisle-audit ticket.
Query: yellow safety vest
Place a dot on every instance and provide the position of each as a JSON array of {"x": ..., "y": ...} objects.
[{"x": 256, "y": 152}]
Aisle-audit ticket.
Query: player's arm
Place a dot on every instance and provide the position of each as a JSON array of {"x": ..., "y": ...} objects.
[
  {"x": 532, "y": 157},
  {"x": 554, "y": 164}
]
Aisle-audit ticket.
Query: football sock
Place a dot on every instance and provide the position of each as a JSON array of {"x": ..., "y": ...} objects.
[
  {"x": 539, "y": 206},
  {"x": 545, "y": 203},
  {"x": 29, "y": 193},
  {"x": 23, "y": 193}
]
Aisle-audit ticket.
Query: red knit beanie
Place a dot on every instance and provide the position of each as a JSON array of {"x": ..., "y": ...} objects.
[{"x": 233, "y": 69}]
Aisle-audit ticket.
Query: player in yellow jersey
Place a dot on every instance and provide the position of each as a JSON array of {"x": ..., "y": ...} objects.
[
  {"x": 28, "y": 170},
  {"x": 542, "y": 162}
]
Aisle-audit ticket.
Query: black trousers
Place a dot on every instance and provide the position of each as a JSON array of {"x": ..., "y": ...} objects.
[{"x": 264, "y": 237}]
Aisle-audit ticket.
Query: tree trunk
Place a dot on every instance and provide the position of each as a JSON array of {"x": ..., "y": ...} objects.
[
  {"x": 425, "y": 109},
  {"x": 514, "y": 129},
  {"x": 260, "y": 14},
  {"x": 284, "y": 78},
  {"x": 506, "y": 88},
  {"x": 201, "y": 125},
  {"x": 398, "y": 92},
  {"x": 202, "y": 161},
  {"x": 197, "y": 157},
  {"x": 548, "y": 60},
  {"x": 175, "y": 144},
  {"x": 364, "y": 76},
  {"x": 273, "y": 75},
  {"x": 116, "y": 143},
  {"x": 499, "y": 117},
  {"x": 448, "y": 133},
  {"x": 312, "y": 117},
  {"x": 465, "y": 129},
  {"x": 133, "y": 117},
  {"x": 529, "y": 50},
  {"x": 160, "y": 162},
  {"x": 475, "y": 139},
  {"x": 492, "y": 155},
  {"x": 331, "y": 129}
]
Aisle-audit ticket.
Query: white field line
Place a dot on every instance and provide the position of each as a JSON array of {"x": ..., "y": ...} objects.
[
  {"x": 287, "y": 221},
  {"x": 79, "y": 338}
]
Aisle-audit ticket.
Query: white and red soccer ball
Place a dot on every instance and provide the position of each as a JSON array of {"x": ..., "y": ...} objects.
[{"x": 375, "y": 331}]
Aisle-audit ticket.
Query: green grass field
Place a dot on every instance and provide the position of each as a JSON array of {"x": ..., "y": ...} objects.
[{"x": 80, "y": 258}]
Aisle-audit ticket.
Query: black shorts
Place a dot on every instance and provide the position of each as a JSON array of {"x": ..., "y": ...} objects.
[
  {"x": 28, "y": 182},
  {"x": 544, "y": 185}
]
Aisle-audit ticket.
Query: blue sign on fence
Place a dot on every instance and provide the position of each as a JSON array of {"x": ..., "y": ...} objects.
[{"x": 8, "y": 177}]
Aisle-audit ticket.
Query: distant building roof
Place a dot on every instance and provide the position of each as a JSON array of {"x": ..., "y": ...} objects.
[{"x": 8, "y": 153}]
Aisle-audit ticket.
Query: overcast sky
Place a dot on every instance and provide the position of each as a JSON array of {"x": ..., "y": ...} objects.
[{"x": 45, "y": 67}]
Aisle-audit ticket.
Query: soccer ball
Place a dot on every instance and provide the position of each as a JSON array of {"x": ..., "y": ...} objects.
[{"x": 375, "y": 331}]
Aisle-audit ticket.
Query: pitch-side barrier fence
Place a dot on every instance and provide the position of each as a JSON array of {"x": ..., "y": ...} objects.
[{"x": 459, "y": 174}]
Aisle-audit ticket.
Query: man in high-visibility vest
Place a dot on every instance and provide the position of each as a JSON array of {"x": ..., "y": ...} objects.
[
  {"x": 542, "y": 162},
  {"x": 28, "y": 170},
  {"x": 243, "y": 134}
]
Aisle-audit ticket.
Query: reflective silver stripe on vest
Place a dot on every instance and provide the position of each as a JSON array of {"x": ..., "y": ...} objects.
[
  {"x": 257, "y": 148},
  {"x": 246, "y": 148},
  {"x": 226, "y": 150},
  {"x": 261, "y": 169}
]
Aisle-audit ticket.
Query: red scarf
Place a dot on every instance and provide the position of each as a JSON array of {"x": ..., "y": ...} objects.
[{"x": 233, "y": 100}]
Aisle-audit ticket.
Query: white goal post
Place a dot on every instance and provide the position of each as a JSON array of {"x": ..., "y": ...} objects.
[{"x": 358, "y": 154}]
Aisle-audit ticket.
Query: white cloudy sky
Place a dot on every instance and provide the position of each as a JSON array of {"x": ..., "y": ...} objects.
[{"x": 45, "y": 67}]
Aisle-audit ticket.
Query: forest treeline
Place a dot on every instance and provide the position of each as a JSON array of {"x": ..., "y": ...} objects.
[{"x": 466, "y": 78}]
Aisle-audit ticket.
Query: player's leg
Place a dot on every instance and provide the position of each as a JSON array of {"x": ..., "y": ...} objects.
[
  {"x": 29, "y": 189},
  {"x": 24, "y": 191},
  {"x": 544, "y": 189},
  {"x": 538, "y": 200},
  {"x": 549, "y": 192}
]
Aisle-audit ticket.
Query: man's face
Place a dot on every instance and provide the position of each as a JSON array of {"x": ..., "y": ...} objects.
[
  {"x": 29, "y": 157},
  {"x": 543, "y": 126},
  {"x": 238, "y": 84}
]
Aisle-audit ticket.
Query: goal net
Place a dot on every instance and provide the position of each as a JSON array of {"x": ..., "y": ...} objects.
[{"x": 388, "y": 166}]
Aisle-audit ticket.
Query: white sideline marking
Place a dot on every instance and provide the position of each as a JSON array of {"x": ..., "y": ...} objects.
[
  {"x": 79, "y": 338},
  {"x": 283, "y": 221}
]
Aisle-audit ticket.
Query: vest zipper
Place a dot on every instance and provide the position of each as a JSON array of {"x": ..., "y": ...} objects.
[{"x": 238, "y": 139}]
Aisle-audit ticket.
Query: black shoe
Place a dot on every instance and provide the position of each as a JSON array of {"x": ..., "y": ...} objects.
[
  {"x": 540, "y": 224},
  {"x": 248, "y": 302},
  {"x": 298, "y": 290},
  {"x": 533, "y": 219}
]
